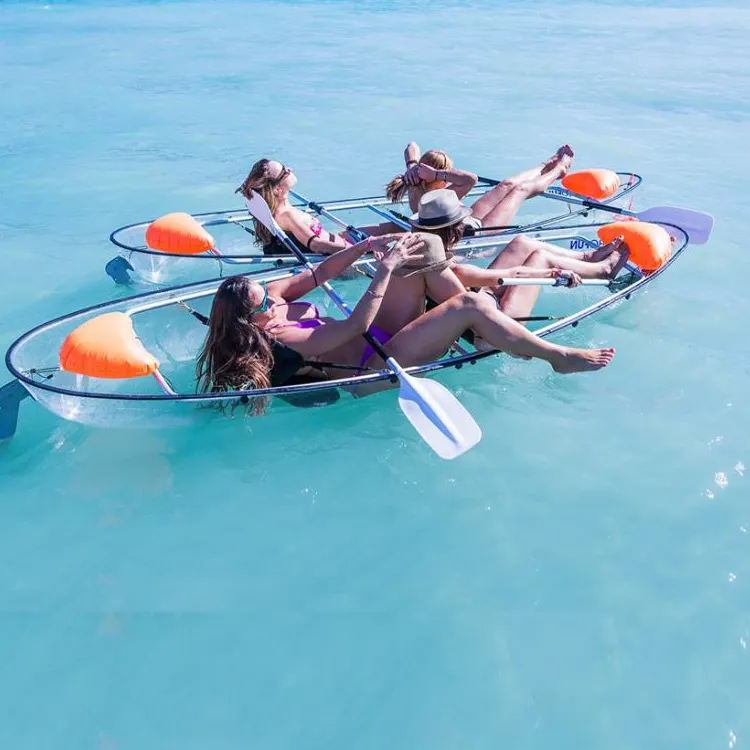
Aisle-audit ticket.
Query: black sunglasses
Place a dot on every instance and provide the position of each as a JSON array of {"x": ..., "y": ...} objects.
[{"x": 285, "y": 172}]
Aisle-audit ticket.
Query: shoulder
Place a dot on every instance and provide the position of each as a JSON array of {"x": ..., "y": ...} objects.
[{"x": 300, "y": 221}]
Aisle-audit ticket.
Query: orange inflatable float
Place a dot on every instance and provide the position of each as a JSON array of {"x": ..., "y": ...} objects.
[
  {"x": 650, "y": 245},
  {"x": 178, "y": 233},
  {"x": 106, "y": 347},
  {"x": 592, "y": 183}
]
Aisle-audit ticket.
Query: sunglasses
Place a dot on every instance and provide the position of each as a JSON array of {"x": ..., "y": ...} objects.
[
  {"x": 285, "y": 172},
  {"x": 264, "y": 303}
]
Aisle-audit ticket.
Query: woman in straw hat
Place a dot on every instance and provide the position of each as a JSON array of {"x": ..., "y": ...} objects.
[
  {"x": 434, "y": 170},
  {"x": 255, "y": 333},
  {"x": 441, "y": 213}
]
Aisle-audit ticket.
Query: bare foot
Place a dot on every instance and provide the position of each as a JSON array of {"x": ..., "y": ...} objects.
[
  {"x": 602, "y": 252},
  {"x": 614, "y": 263},
  {"x": 560, "y": 161},
  {"x": 581, "y": 360}
]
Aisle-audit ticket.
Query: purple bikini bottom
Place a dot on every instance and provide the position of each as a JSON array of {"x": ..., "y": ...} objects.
[{"x": 380, "y": 336}]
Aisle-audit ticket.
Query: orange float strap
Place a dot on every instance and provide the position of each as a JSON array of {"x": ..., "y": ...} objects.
[
  {"x": 178, "y": 233},
  {"x": 650, "y": 244},
  {"x": 592, "y": 183},
  {"x": 107, "y": 347},
  {"x": 435, "y": 185}
]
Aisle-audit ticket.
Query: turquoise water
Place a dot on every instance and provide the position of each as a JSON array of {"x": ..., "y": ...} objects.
[{"x": 321, "y": 580}]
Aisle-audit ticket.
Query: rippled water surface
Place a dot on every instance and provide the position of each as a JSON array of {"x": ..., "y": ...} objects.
[{"x": 319, "y": 579}]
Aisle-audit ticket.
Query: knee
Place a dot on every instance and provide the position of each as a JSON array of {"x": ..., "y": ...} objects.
[
  {"x": 521, "y": 242},
  {"x": 528, "y": 188},
  {"x": 511, "y": 183},
  {"x": 506, "y": 186},
  {"x": 475, "y": 301},
  {"x": 538, "y": 259}
]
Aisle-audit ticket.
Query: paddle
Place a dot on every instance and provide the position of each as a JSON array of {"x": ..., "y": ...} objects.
[
  {"x": 696, "y": 224},
  {"x": 557, "y": 281},
  {"x": 436, "y": 414},
  {"x": 11, "y": 395}
]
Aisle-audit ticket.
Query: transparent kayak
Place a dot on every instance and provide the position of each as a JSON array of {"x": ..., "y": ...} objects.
[
  {"x": 171, "y": 333},
  {"x": 236, "y": 252}
]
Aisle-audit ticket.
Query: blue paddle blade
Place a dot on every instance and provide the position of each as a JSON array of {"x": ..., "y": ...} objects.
[
  {"x": 117, "y": 269},
  {"x": 11, "y": 395},
  {"x": 696, "y": 224}
]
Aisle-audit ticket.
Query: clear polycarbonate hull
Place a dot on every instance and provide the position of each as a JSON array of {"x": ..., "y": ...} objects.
[
  {"x": 174, "y": 336},
  {"x": 237, "y": 252}
]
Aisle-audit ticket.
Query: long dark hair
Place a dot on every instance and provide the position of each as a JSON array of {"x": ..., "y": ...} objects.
[
  {"x": 259, "y": 181},
  {"x": 237, "y": 353}
]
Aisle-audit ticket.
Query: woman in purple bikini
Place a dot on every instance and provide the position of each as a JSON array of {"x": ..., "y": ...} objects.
[{"x": 252, "y": 330}]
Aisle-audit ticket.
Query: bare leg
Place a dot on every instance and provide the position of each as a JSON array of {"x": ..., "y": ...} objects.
[
  {"x": 500, "y": 205},
  {"x": 524, "y": 251},
  {"x": 405, "y": 298},
  {"x": 428, "y": 337},
  {"x": 404, "y": 302},
  {"x": 520, "y": 247},
  {"x": 443, "y": 285}
]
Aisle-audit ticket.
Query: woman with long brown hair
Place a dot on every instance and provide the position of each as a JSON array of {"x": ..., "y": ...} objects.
[
  {"x": 242, "y": 349},
  {"x": 273, "y": 181},
  {"x": 247, "y": 321},
  {"x": 434, "y": 170}
]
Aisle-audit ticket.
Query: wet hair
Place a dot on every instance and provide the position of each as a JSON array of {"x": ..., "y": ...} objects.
[
  {"x": 261, "y": 182},
  {"x": 397, "y": 188},
  {"x": 237, "y": 354},
  {"x": 450, "y": 235}
]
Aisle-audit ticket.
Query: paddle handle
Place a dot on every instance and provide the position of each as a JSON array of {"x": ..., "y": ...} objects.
[
  {"x": 558, "y": 281},
  {"x": 605, "y": 207},
  {"x": 357, "y": 234}
]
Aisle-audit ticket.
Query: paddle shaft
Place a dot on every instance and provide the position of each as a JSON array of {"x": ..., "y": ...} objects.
[
  {"x": 573, "y": 200},
  {"x": 323, "y": 211},
  {"x": 558, "y": 281}
]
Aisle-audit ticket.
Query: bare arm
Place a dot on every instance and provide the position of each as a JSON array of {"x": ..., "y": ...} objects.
[
  {"x": 411, "y": 154},
  {"x": 460, "y": 181},
  {"x": 470, "y": 275},
  {"x": 298, "y": 286},
  {"x": 308, "y": 231},
  {"x": 312, "y": 342}
]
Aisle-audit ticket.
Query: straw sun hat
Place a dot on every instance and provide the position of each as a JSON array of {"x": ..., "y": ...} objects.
[{"x": 432, "y": 257}]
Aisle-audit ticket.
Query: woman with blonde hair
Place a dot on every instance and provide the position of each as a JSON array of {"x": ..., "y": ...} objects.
[
  {"x": 434, "y": 170},
  {"x": 273, "y": 181}
]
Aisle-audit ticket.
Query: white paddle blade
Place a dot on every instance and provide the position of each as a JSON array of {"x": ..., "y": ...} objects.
[
  {"x": 438, "y": 416},
  {"x": 260, "y": 210},
  {"x": 697, "y": 224}
]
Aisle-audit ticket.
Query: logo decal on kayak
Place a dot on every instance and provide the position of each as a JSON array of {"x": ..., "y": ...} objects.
[{"x": 581, "y": 244}]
